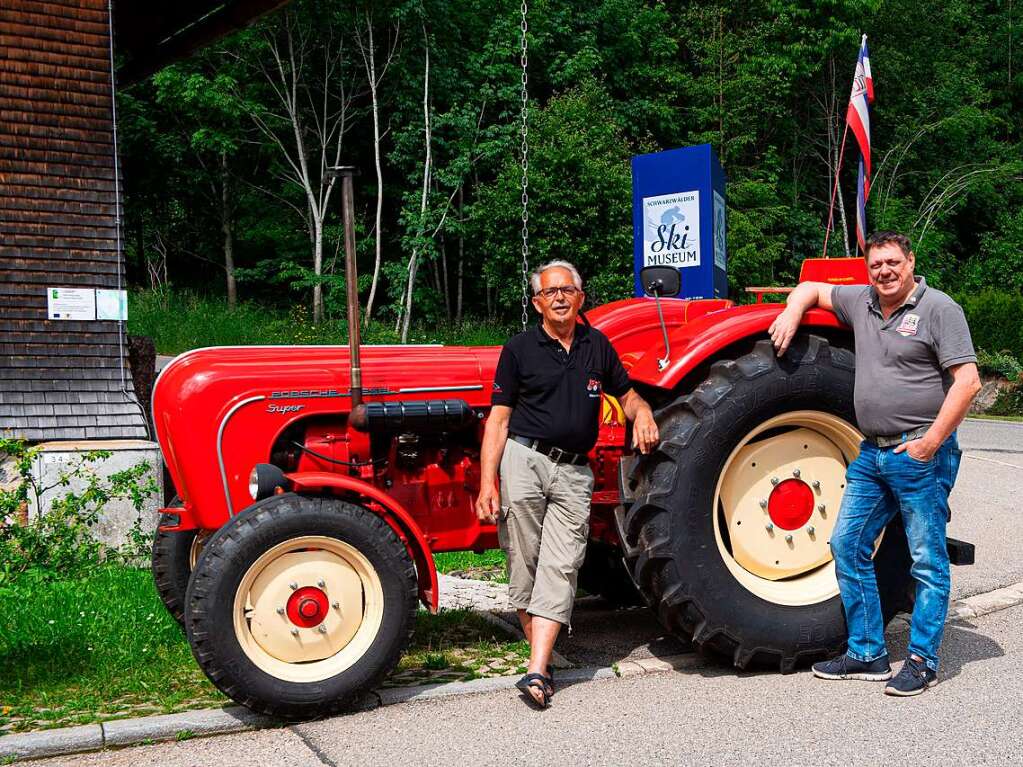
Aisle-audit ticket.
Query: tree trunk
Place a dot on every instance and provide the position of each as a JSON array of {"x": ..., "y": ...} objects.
[
  {"x": 435, "y": 273},
  {"x": 371, "y": 65},
  {"x": 444, "y": 276},
  {"x": 461, "y": 259},
  {"x": 318, "y": 271},
  {"x": 841, "y": 205},
  {"x": 227, "y": 227}
]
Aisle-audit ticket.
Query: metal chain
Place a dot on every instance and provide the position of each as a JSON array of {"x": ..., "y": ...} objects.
[{"x": 524, "y": 130}]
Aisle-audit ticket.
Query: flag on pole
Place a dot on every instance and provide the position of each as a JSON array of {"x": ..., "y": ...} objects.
[{"x": 858, "y": 119}]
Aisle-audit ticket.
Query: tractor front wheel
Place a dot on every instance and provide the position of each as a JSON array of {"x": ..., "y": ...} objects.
[
  {"x": 300, "y": 604},
  {"x": 174, "y": 556}
]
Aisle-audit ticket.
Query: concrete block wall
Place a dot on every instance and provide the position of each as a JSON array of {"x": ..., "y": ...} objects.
[{"x": 118, "y": 517}]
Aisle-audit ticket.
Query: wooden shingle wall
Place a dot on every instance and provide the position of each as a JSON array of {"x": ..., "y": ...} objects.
[{"x": 58, "y": 379}]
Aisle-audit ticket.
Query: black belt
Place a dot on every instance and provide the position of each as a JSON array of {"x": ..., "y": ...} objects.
[
  {"x": 881, "y": 440},
  {"x": 553, "y": 452}
]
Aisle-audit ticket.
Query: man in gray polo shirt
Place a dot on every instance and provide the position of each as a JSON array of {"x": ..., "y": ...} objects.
[{"x": 916, "y": 375}]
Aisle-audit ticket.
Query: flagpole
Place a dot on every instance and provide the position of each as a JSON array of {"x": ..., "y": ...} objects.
[{"x": 834, "y": 189}]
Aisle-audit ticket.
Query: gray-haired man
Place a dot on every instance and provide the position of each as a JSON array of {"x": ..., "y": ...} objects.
[{"x": 544, "y": 421}]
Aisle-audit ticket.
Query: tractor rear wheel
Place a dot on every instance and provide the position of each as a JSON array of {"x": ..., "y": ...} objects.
[
  {"x": 174, "y": 557},
  {"x": 730, "y": 531},
  {"x": 300, "y": 604}
]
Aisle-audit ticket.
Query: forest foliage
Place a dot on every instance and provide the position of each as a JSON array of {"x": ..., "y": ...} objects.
[{"x": 225, "y": 152}]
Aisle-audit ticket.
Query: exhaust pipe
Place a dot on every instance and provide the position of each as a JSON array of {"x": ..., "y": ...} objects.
[{"x": 346, "y": 172}]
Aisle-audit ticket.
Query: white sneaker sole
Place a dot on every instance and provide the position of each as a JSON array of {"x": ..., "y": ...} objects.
[{"x": 884, "y": 676}]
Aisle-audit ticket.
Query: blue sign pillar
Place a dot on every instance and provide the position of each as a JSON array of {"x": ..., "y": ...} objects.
[{"x": 678, "y": 218}]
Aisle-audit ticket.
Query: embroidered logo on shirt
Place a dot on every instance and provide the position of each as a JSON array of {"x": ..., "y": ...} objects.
[
  {"x": 909, "y": 324},
  {"x": 593, "y": 387}
]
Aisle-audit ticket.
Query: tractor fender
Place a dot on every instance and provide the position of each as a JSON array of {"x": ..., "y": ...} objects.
[
  {"x": 396, "y": 515},
  {"x": 695, "y": 342}
]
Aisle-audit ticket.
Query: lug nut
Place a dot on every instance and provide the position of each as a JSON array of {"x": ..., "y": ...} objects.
[
  {"x": 763, "y": 503},
  {"x": 795, "y": 473},
  {"x": 322, "y": 629},
  {"x": 775, "y": 480},
  {"x": 321, "y": 583},
  {"x": 788, "y": 539},
  {"x": 816, "y": 485},
  {"x": 769, "y": 527},
  {"x": 293, "y": 585},
  {"x": 294, "y": 632},
  {"x": 336, "y": 605},
  {"x": 810, "y": 530},
  {"x": 280, "y": 611}
]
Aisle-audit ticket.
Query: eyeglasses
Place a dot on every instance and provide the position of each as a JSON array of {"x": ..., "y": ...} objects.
[{"x": 568, "y": 291}]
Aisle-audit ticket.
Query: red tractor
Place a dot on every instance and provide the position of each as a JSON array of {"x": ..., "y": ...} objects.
[{"x": 315, "y": 483}]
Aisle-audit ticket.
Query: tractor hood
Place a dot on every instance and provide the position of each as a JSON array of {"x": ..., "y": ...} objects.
[{"x": 222, "y": 407}]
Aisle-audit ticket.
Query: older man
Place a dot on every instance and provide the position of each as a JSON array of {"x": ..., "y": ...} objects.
[
  {"x": 544, "y": 421},
  {"x": 916, "y": 375}
]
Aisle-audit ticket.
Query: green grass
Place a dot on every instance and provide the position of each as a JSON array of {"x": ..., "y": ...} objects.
[
  {"x": 461, "y": 641},
  {"x": 179, "y": 320},
  {"x": 102, "y": 646},
  {"x": 87, "y": 649},
  {"x": 490, "y": 565}
]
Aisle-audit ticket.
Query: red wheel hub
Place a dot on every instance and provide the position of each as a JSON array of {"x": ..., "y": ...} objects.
[
  {"x": 307, "y": 607},
  {"x": 790, "y": 504}
]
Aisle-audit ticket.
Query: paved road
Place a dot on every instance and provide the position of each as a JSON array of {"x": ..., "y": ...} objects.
[
  {"x": 987, "y": 505},
  {"x": 704, "y": 716}
]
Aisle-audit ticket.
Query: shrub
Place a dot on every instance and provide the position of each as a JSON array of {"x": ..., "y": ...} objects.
[
  {"x": 1000, "y": 364},
  {"x": 60, "y": 542},
  {"x": 1009, "y": 400},
  {"x": 995, "y": 320}
]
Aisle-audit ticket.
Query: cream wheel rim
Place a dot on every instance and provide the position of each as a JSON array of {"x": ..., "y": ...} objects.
[
  {"x": 195, "y": 550},
  {"x": 776, "y": 504},
  {"x": 308, "y": 609}
]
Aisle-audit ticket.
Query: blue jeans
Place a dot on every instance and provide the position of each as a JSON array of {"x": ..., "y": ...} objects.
[{"x": 881, "y": 483}]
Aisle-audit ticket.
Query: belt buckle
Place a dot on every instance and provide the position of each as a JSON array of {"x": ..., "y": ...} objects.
[{"x": 556, "y": 458}]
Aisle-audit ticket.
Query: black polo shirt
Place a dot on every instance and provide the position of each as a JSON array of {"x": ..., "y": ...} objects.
[{"x": 555, "y": 395}]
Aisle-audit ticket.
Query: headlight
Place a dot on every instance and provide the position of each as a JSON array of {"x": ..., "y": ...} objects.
[{"x": 264, "y": 479}]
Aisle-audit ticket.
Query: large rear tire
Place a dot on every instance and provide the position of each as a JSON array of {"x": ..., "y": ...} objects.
[
  {"x": 762, "y": 441},
  {"x": 301, "y": 604}
]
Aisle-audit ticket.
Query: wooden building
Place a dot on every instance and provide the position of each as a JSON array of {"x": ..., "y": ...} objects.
[{"x": 59, "y": 199}]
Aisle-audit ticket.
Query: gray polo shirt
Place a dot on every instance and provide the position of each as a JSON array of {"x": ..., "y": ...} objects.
[{"x": 902, "y": 363}]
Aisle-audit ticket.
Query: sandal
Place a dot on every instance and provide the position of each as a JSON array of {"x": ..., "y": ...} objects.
[
  {"x": 535, "y": 682},
  {"x": 549, "y": 684}
]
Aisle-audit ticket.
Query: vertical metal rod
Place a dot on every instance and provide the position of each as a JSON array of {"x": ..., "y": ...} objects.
[
  {"x": 663, "y": 362},
  {"x": 351, "y": 282}
]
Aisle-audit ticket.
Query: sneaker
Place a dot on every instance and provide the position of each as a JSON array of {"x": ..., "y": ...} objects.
[
  {"x": 844, "y": 667},
  {"x": 913, "y": 679}
]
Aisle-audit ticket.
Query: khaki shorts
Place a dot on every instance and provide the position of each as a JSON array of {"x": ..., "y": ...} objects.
[{"x": 543, "y": 527}]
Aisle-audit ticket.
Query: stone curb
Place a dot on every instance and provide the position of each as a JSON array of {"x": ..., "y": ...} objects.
[{"x": 128, "y": 732}]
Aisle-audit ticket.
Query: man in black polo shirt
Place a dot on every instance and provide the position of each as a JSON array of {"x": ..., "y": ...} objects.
[{"x": 544, "y": 421}]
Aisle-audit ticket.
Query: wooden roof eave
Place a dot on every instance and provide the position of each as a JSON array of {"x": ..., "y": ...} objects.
[{"x": 147, "y": 47}]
